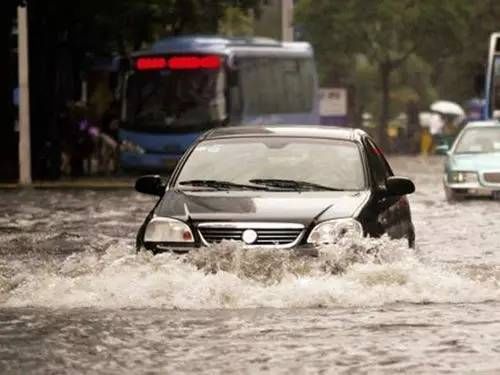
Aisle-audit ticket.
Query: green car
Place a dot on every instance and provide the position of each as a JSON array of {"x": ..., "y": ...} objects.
[{"x": 472, "y": 166}]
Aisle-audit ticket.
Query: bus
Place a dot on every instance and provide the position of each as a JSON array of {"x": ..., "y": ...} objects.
[
  {"x": 491, "y": 108},
  {"x": 183, "y": 86}
]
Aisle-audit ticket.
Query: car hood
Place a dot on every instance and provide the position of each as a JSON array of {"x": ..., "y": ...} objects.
[
  {"x": 475, "y": 162},
  {"x": 292, "y": 207}
]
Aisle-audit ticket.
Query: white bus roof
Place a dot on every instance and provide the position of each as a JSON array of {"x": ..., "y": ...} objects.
[{"x": 242, "y": 46}]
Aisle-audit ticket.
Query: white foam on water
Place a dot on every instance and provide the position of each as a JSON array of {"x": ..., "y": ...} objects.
[{"x": 368, "y": 272}]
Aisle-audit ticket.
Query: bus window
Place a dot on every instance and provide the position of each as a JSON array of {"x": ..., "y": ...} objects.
[
  {"x": 277, "y": 85},
  {"x": 175, "y": 98}
]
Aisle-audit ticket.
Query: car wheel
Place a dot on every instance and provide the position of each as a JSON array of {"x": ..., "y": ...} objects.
[{"x": 451, "y": 196}]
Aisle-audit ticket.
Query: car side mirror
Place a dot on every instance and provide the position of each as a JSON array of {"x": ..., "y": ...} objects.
[
  {"x": 442, "y": 149},
  {"x": 398, "y": 186},
  {"x": 151, "y": 184}
]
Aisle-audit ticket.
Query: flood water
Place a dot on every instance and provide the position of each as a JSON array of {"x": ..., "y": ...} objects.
[{"x": 75, "y": 297}]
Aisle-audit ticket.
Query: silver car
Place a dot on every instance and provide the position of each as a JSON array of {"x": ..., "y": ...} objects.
[{"x": 472, "y": 166}]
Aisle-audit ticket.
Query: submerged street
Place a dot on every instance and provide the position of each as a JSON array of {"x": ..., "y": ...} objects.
[{"x": 74, "y": 295}]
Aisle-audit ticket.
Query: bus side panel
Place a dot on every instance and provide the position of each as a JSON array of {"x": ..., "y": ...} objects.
[{"x": 491, "y": 77}]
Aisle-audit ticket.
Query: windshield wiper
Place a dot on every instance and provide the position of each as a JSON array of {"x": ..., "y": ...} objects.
[
  {"x": 222, "y": 185},
  {"x": 291, "y": 184}
]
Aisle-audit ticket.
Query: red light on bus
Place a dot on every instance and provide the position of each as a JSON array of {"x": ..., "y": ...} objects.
[
  {"x": 194, "y": 62},
  {"x": 151, "y": 63},
  {"x": 184, "y": 62},
  {"x": 210, "y": 62},
  {"x": 178, "y": 62}
]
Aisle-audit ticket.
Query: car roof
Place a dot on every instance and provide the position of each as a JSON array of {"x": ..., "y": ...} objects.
[
  {"x": 307, "y": 131},
  {"x": 482, "y": 124}
]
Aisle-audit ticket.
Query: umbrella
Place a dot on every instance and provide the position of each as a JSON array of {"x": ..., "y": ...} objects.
[
  {"x": 448, "y": 108},
  {"x": 425, "y": 119}
]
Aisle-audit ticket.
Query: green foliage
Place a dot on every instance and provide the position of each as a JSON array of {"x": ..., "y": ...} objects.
[
  {"x": 100, "y": 27},
  {"x": 236, "y": 22},
  {"x": 411, "y": 82},
  {"x": 455, "y": 75},
  {"x": 386, "y": 31},
  {"x": 268, "y": 24},
  {"x": 410, "y": 49}
]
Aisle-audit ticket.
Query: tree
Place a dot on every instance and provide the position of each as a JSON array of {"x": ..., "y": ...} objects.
[
  {"x": 387, "y": 32},
  {"x": 470, "y": 64}
]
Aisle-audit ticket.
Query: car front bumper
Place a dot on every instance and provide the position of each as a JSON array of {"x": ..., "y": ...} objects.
[
  {"x": 304, "y": 249},
  {"x": 472, "y": 189}
]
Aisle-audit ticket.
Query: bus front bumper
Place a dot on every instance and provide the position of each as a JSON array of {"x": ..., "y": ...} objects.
[{"x": 147, "y": 161}]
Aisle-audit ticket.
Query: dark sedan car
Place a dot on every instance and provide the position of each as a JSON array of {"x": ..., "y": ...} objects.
[{"x": 279, "y": 187}]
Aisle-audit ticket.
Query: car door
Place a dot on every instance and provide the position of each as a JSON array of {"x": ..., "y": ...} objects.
[{"x": 391, "y": 213}]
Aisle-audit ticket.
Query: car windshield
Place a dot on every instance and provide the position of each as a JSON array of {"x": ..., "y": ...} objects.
[
  {"x": 275, "y": 162},
  {"x": 479, "y": 140},
  {"x": 165, "y": 99}
]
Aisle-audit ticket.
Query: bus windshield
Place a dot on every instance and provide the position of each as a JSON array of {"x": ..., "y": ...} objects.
[{"x": 165, "y": 99}]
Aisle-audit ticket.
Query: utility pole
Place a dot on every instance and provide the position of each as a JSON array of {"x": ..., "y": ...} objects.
[
  {"x": 287, "y": 20},
  {"x": 24, "y": 97}
]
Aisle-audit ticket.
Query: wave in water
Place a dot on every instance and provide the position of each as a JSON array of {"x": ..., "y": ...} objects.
[{"x": 368, "y": 272}]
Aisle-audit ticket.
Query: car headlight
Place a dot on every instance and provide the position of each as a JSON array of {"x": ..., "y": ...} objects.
[
  {"x": 128, "y": 146},
  {"x": 333, "y": 230},
  {"x": 163, "y": 229},
  {"x": 462, "y": 177}
]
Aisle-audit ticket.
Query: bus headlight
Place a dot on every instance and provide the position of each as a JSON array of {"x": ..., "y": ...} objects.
[
  {"x": 463, "y": 177},
  {"x": 333, "y": 230},
  {"x": 163, "y": 229}
]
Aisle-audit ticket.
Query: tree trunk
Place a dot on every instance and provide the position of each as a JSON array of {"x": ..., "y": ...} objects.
[{"x": 385, "y": 76}]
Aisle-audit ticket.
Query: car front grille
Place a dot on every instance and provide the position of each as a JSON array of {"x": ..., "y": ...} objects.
[
  {"x": 491, "y": 177},
  {"x": 268, "y": 234}
]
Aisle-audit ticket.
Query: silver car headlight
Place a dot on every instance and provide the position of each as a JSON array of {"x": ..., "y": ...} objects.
[
  {"x": 333, "y": 230},
  {"x": 163, "y": 229},
  {"x": 459, "y": 177}
]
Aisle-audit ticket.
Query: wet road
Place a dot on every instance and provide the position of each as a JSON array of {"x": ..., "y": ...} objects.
[{"x": 74, "y": 297}]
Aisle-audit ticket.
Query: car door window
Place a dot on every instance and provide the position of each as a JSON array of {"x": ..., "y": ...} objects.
[{"x": 378, "y": 165}]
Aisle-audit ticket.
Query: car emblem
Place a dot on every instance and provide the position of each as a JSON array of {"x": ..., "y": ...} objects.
[{"x": 249, "y": 236}]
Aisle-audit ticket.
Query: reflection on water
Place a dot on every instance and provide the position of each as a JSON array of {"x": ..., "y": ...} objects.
[{"x": 75, "y": 297}]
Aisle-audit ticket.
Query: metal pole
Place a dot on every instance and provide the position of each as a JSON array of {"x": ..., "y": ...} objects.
[
  {"x": 286, "y": 20},
  {"x": 24, "y": 98}
]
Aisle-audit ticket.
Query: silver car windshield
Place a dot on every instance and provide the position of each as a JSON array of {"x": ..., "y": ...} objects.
[
  {"x": 479, "y": 140},
  {"x": 330, "y": 163}
]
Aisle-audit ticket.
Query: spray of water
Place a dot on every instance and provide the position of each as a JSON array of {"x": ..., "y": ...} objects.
[{"x": 366, "y": 272}]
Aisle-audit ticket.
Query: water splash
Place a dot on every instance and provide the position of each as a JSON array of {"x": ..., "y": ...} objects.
[{"x": 367, "y": 272}]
